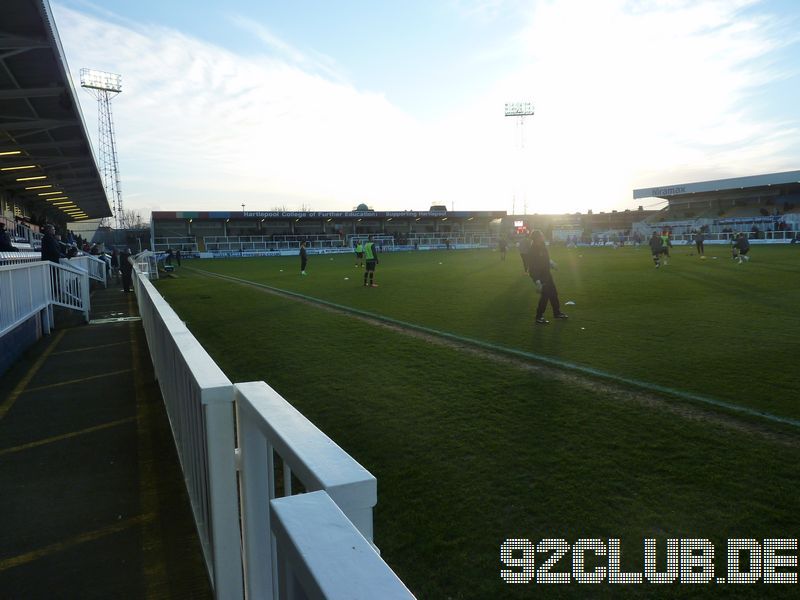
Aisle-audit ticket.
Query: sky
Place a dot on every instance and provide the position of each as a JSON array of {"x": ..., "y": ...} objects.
[{"x": 321, "y": 106}]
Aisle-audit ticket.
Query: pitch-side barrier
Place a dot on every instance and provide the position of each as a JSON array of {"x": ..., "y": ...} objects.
[{"x": 316, "y": 544}]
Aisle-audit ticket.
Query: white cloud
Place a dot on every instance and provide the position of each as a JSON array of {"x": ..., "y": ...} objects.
[{"x": 626, "y": 96}]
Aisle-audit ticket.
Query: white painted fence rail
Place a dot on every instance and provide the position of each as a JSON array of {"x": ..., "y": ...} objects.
[
  {"x": 199, "y": 402},
  {"x": 322, "y": 556},
  {"x": 147, "y": 263},
  {"x": 24, "y": 292},
  {"x": 18, "y": 258},
  {"x": 243, "y": 561},
  {"x": 96, "y": 267},
  {"x": 30, "y": 287},
  {"x": 69, "y": 287},
  {"x": 268, "y": 425}
]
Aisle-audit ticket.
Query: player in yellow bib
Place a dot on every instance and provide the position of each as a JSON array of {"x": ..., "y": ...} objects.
[{"x": 371, "y": 258}]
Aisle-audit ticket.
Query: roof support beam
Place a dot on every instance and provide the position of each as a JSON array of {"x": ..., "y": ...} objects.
[{"x": 46, "y": 92}]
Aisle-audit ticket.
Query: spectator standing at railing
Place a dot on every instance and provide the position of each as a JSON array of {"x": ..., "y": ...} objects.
[
  {"x": 127, "y": 270},
  {"x": 303, "y": 258},
  {"x": 5, "y": 240},
  {"x": 115, "y": 264},
  {"x": 50, "y": 249}
]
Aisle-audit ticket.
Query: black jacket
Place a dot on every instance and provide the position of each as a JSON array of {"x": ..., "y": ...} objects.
[
  {"x": 536, "y": 260},
  {"x": 50, "y": 249},
  {"x": 5, "y": 242}
]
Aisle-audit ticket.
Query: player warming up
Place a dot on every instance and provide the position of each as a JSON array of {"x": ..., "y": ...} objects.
[
  {"x": 666, "y": 244},
  {"x": 536, "y": 262},
  {"x": 359, "y": 254},
  {"x": 371, "y": 257},
  {"x": 740, "y": 248},
  {"x": 656, "y": 248},
  {"x": 303, "y": 258}
]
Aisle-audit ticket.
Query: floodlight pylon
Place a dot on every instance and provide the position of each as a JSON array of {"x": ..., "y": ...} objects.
[
  {"x": 105, "y": 86},
  {"x": 519, "y": 110}
]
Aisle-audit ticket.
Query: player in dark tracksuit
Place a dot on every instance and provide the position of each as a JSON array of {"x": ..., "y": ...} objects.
[
  {"x": 656, "y": 248},
  {"x": 740, "y": 248},
  {"x": 699, "y": 241},
  {"x": 303, "y": 258},
  {"x": 536, "y": 262}
]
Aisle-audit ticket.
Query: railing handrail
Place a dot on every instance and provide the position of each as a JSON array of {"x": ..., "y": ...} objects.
[
  {"x": 317, "y": 461},
  {"x": 321, "y": 551},
  {"x": 8, "y": 258}
]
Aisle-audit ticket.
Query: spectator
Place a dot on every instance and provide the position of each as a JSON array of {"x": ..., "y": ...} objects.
[
  {"x": 50, "y": 249},
  {"x": 127, "y": 270},
  {"x": 5, "y": 240},
  {"x": 115, "y": 264}
]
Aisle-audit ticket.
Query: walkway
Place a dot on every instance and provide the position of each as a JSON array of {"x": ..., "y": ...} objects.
[{"x": 92, "y": 501}]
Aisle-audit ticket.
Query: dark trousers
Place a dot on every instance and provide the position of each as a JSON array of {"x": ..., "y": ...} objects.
[
  {"x": 700, "y": 248},
  {"x": 303, "y": 263},
  {"x": 127, "y": 280},
  {"x": 549, "y": 294}
]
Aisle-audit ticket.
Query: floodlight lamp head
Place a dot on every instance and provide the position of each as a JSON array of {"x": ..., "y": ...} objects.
[
  {"x": 519, "y": 109},
  {"x": 100, "y": 80}
]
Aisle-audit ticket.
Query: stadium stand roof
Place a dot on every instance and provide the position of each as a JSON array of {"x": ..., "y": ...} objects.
[
  {"x": 40, "y": 115},
  {"x": 772, "y": 183}
]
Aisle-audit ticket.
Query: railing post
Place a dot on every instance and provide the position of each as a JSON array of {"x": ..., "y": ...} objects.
[
  {"x": 223, "y": 498},
  {"x": 256, "y": 494},
  {"x": 86, "y": 299}
]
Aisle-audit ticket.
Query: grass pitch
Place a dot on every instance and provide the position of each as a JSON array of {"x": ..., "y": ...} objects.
[{"x": 469, "y": 451}]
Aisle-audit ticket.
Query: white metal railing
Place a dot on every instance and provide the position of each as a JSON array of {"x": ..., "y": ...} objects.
[
  {"x": 182, "y": 243},
  {"x": 242, "y": 557},
  {"x": 199, "y": 402},
  {"x": 321, "y": 555},
  {"x": 96, "y": 267},
  {"x": 33, "y": 287},
  {"x": 18, "y": 258},
  {"x": 69, "y": 287},
  {"x": 24, "y": 291},
  {"x": 147, "y": 263},
  {"x": 268, "y": 424}
]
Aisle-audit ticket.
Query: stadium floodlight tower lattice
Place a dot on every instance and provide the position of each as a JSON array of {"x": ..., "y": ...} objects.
[
  {"x": 519, "y": 110},
  {"x": 104, "y": 86}
]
